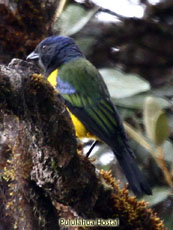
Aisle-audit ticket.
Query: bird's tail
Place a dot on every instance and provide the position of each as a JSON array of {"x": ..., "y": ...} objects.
[{"x": 136, "y": 179}]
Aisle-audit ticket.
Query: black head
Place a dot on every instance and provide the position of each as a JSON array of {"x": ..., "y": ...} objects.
[{"x": 55, "y": 51}]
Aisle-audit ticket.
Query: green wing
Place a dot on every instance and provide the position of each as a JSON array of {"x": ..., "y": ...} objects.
[{"x": 87, "y": 97}]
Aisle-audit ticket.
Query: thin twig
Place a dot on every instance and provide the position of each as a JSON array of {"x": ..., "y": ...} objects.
[
  {"x": 159, "y": 157},
  {"x": 101, "y": 9},
  {"x": 59, "y": 10},
  {"x": 137, "y": 137}
]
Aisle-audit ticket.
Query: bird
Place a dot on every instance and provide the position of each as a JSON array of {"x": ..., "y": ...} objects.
[{"x": 88, "y": 101}]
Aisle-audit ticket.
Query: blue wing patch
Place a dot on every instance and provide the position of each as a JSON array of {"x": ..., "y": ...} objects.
[{"x": 64, "y": 87}]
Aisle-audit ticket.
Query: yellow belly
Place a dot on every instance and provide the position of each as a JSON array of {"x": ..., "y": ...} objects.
[{"x": 81, "y": 131}]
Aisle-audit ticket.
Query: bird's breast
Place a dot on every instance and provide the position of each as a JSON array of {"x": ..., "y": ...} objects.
[
  {"x": 80, "y": 129},
  {"x": 52, "y": 78}
]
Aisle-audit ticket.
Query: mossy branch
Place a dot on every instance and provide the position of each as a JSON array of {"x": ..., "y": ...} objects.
[{"x": 42, "y": 176}]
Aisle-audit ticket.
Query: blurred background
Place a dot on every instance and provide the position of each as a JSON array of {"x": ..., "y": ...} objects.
[{"x": 131, "y": 43}]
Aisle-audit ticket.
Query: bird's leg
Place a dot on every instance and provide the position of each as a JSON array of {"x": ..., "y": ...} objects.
[{"x": 91, "y": 148}]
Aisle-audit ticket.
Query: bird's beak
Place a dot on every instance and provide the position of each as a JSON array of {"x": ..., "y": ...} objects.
[{"x": 32, "y": 56}]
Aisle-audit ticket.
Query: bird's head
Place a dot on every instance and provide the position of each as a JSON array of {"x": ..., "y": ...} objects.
[{"x": 55, "y": 51}]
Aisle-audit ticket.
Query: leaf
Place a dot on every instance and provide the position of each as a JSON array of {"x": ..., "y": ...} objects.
[
  {"x": 137, "y": 101},
  {"x": 74, "y": 18},
  {"x": 164, "y": 91},
  {"x": 125, "y": 113},
  {"x": 122, "y": 85},
  {"x": 161, "y": 128},
  {"x": 155, "y": 121},
  {"x": 159, "y": 195},
  {"x": 151, "y": 108}
]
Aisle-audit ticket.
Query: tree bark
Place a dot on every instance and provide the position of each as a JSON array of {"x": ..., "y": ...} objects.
[{"x": 43, "y": 178}]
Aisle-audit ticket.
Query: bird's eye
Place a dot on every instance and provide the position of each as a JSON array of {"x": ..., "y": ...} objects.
[{"x": 44, "y": 47}]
